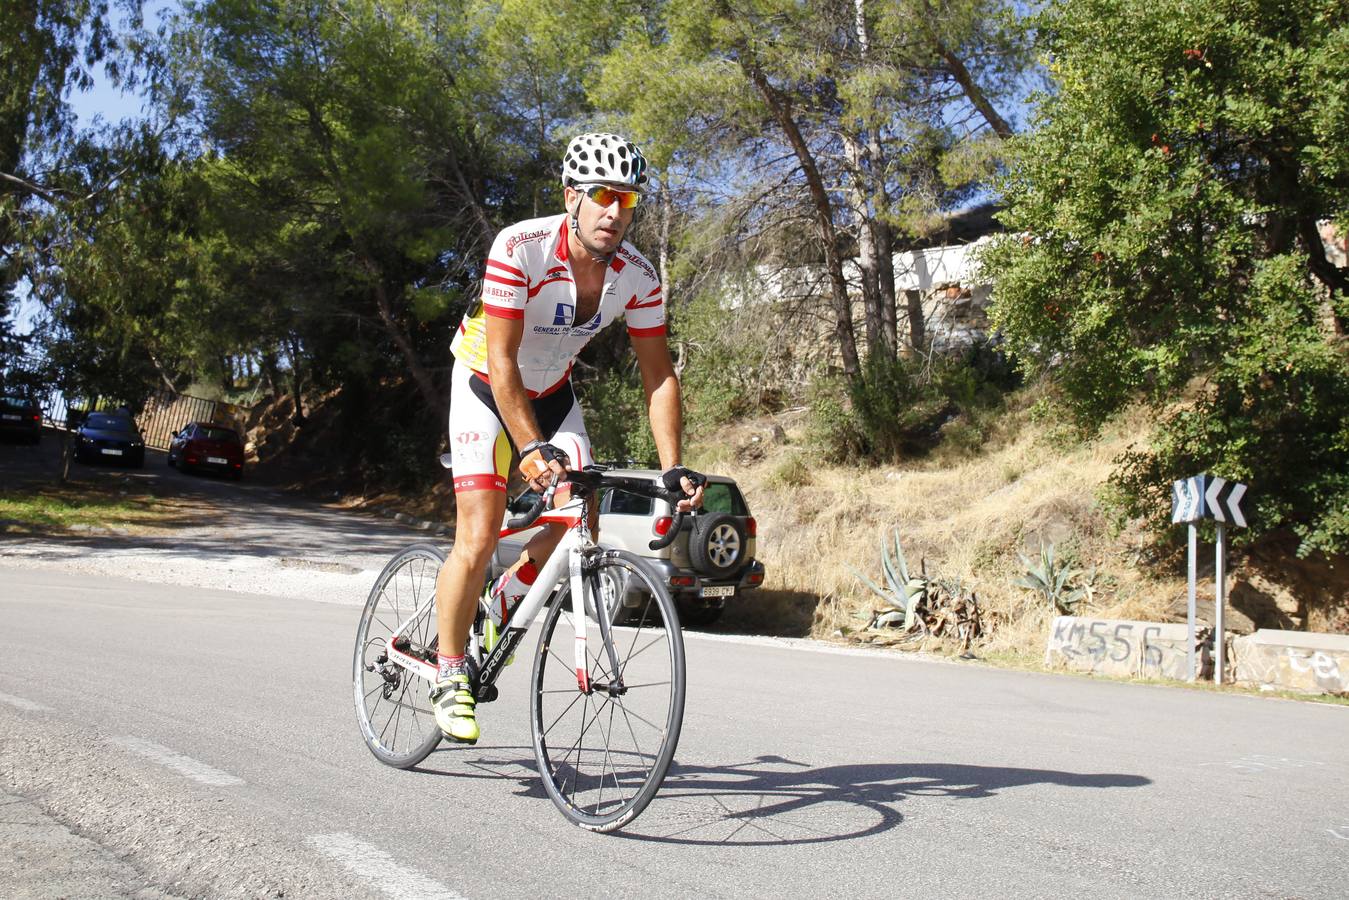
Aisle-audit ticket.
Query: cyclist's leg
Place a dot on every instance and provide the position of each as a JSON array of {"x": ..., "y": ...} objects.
[{"x": 480, "y": 460}]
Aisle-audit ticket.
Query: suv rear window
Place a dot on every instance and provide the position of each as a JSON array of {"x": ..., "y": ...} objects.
[
  {"x": 624, "y": 504},
  {"x": 721, "y": 497},
  {"x": 211, "y": 433}
]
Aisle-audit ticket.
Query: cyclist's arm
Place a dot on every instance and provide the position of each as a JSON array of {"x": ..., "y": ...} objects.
[
  {"x": 664, "y": 406},
  {"x": 664, "y": 403}
]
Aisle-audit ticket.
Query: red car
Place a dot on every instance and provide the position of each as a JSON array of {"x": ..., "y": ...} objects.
[{"x": 201, "y": 445}]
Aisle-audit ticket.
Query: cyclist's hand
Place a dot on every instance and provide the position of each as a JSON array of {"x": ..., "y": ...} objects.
[
  {"x": 678, "y": 479},
  {"x": 542, "y": 463}
]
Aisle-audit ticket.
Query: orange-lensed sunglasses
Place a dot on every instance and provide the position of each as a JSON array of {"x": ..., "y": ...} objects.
[{"x": 605, "y": 195}]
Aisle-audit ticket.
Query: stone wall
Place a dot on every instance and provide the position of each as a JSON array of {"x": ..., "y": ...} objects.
[
  {"x": 1292, "y": 660},
  {"x": 1119, "y": 647}
]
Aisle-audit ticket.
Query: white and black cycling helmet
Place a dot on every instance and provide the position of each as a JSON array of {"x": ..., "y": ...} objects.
[{"x": 599, "y": 157}]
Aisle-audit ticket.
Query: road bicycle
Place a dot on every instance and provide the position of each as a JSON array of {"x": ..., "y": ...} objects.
[{"x": 606, "y": 701}]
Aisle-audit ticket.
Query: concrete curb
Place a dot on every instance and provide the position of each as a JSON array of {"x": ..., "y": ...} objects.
[
  {"x": 1274, "y": 660},
  {"x": 1293, "y": 660}
]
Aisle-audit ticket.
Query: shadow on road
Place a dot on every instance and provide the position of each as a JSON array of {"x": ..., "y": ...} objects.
[
  {"x": 776, "y": 801},
  {"x": 773, "y": 801}
]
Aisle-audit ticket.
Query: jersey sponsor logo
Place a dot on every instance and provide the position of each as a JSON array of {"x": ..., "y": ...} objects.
[
  {"x": 554, "y": 275},
  {"x": 638, "y": 262},
  {"x": 563, "y": 313},
  {"x": 479, "y": 483},
  {"x": 470, "y": 437},
  {"x": 491, "y": 291},
  {"x": 516, "y": 240}
]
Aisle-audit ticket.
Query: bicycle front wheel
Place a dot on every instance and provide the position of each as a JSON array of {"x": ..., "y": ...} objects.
[
  {"x": 393, "y": 705},
  {"x": 603, "y": 753}
]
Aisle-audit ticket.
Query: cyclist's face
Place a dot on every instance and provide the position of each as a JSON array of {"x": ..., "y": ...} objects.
[{"x": 600, "y": 228}]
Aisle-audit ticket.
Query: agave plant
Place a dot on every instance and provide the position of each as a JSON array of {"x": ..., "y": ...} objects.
[
  {"x": 1052, "y": 579},
  {"x": 905, "y": 590}
]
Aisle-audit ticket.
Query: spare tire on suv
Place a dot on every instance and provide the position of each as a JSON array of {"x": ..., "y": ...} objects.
[{"x": 717, "y": 544}]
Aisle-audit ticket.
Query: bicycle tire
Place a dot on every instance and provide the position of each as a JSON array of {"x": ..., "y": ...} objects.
[
  {"x": 393, "y": 706},
  {"x": 575, "y": 733}
]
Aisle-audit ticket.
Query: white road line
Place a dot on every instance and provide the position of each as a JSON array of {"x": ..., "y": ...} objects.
[
  {"x": 172, "y": 759},
  {"x": 379, "y": 868},
  {"x": 21, "y": 703}
]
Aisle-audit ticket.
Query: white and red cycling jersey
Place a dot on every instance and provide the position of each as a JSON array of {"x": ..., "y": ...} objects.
[{"x": 529, "y": 277}]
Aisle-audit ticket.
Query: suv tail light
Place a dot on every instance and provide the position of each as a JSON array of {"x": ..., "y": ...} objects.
[
  {"x": 751, "y": 527},
  {"x": 683, "y": 580},
  {"x": 662, "y": 526},
  {"x": 756, "y": 578}
]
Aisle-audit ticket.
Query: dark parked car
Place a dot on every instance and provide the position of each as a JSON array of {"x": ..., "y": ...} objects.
[
  {"x": 21, "y": 417},
  {"x": 109, "y": 437},
  {"x": 201, "y": 445}
]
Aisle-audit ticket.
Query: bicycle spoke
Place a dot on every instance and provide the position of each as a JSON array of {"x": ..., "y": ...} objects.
[
  {"x": 631, "y": 656},
  {"x": 549, "y": 729},
  {"x": 644, "y": 719},
  {"x": 632, "y": 687}
]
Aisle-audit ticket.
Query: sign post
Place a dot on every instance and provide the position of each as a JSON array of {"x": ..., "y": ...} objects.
[
  {"x": 1190, "y": 608},
  {"x": 1192, "y": 500}
]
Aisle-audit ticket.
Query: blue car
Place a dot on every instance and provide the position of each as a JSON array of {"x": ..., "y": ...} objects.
[{"x": 105, "y": 437}]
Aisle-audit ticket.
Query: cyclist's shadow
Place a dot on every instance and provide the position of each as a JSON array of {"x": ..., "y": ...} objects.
[{"x": 773, "y": 801}]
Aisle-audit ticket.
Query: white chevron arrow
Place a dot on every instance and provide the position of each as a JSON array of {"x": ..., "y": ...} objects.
[
  {"x": 1234, "y": 504},
  {"x": 1211, "y": 498}
]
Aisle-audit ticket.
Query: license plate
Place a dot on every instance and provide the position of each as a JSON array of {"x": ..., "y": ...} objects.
[
  {"x": 718, "y": 590},
  {"x": 109, "y": 452},
  {"x": 10, "y": 418},
  {"x": 217, "y": 460}
]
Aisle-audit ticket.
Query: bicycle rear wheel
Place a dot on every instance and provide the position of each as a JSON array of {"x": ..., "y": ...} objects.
[
  {"x": 603, "y": 754},
  {"x": 393, "y": 706}
]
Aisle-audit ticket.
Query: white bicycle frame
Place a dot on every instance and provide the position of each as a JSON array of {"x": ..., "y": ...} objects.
[{"x": 568, "y": 555}]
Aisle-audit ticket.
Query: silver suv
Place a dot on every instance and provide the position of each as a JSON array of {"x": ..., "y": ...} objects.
[{"x": 710, "y": 562}]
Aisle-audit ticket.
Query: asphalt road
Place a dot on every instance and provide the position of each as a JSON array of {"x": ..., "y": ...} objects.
[{"x": 206, "y": 739}]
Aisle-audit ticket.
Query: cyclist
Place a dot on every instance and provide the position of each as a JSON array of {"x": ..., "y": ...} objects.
[{"x": 550, "y": 285}]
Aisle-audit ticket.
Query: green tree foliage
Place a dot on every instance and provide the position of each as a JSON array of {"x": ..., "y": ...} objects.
[
  {"x": 839, "y": 126},
  {"x": 1165, "y": 213}
]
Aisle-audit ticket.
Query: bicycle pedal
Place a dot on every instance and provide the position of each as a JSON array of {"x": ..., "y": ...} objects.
[{"x": 488, "y": 694}]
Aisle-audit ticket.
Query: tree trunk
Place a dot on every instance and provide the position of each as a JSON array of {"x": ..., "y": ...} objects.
[
  {"x": 663, "y": 247},
  {"x": 1332, "y": 276},
  {"x": 824, "y": 213},
  {"x": 873, "y": 197},
  {"x": 402, "y": 340},
  {"x": 917, "y": 328},
  {"x": 293, "y": 348},
  {"x": 868, "y": 261},
  {"x": 976, "y": 95}
]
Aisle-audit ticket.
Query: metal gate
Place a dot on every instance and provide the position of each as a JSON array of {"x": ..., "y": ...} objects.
[{"x": 166, "y": 412}]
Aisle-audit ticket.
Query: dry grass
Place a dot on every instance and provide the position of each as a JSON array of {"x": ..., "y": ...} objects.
[{"x": 965, "y": 516}]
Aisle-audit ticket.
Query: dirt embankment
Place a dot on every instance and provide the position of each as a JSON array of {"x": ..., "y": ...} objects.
[{"x": 967, "y": 517}]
